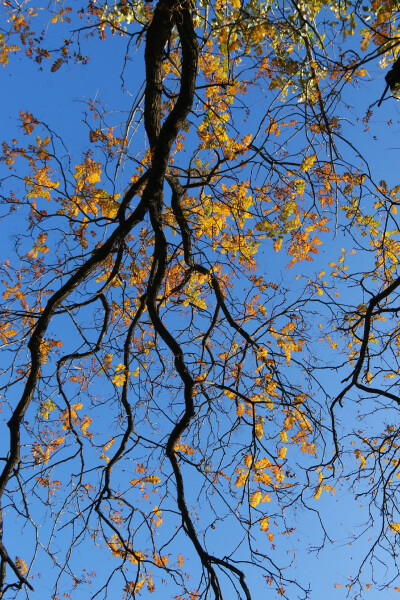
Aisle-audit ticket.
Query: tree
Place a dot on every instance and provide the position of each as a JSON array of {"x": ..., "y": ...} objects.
[{"x": 182, "y": 366}]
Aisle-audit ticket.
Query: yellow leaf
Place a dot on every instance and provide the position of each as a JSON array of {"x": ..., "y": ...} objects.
[
  {"x": 259, "y": 427},
  {"x": 240, "y": 410},
  {"x": 21, "y": 565},
  {"x": 255, "y": 499},
  {"x": 283, "y": 436},
  {"x": 308, "y": 162},
  {"x": 151, "y": 479},
  {"x": 47, "y": 407},
  {"x": 282, "y": 452}
]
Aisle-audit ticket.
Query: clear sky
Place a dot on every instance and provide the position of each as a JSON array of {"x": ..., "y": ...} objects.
[{"x": 59, "y": 100}]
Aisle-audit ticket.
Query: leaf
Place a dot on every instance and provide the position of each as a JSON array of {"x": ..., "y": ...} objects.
[
  {"x": 308, "y": 163},
  {"x": 318, "y": 492},
  {"x": 47, "y": 408},
  {"x": 282, "y": 452},
  {"x": 22, "y": 567},
  {"x": 259, "y": 427},
  {"x": 255, "y": 499},
  {"x": 56, "y": 65}
]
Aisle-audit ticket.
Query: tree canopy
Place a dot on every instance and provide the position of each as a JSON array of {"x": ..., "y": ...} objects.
[{"x": 200, "y": 320}]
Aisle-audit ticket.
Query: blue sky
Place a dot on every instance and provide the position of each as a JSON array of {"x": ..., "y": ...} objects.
[{"x": 59, "y": 100}]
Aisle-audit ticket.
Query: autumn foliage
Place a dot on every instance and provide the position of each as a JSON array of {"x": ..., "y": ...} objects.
[{"x": 200, "y": 318}]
